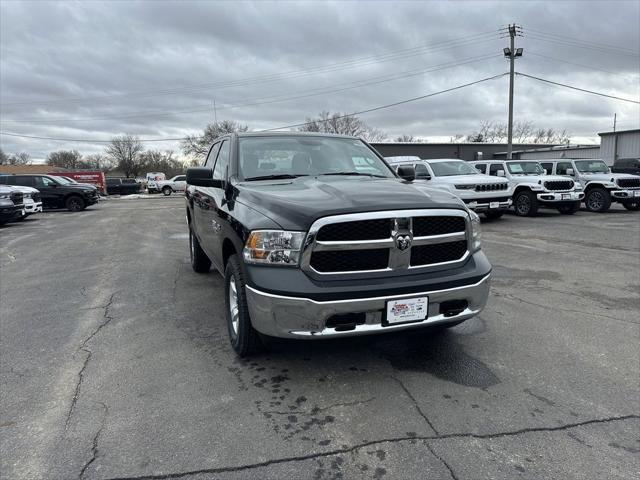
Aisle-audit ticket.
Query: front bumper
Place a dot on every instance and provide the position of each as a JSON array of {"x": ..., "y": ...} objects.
[
  {"x": 482, "y": 205},
  {"x": 625, "y": 194},
  {"x": 32, "y": 207},
  {"x": 560, "y": 196},
  {"x": 11, "y": 212},
  {"x": 305, "y": 318}
]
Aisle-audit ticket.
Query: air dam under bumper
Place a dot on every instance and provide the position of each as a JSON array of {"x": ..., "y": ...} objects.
[
  {"x": 625, "y": 194},
  {"x": 296, "y": 317},
  {"x": 560, "y": 196}
]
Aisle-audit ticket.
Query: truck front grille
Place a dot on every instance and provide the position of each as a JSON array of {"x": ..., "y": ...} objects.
[
  {"x": 349, "y": 261},
  {"x": 490, "y": 187},
  {"x": 443, "y": 252},
  {"x": 629, "y": 182},
  {"x": 559, "y": 184},
  {"x": 360, "y": 230},
  {"x": 385, "y": 241}
]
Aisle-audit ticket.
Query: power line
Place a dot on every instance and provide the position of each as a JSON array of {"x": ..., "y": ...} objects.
[
  {"x": 579, "y": 45},
  {"x": 578, "y": 89},
  {"x": 579, "y": 40},
  {"x": 373, "y": 109},
  {"x": 560, "y": 60},
  {"x": 271, "y": 99},
  {"x": 327, "y": 68},
  {"x": 395, "y": 104}
]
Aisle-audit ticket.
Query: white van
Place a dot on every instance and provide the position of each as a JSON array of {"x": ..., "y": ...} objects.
[{"x": 152, "y": 179}]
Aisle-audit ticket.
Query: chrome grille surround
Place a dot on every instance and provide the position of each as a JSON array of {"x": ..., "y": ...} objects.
[{"x": 401, "y": 225}]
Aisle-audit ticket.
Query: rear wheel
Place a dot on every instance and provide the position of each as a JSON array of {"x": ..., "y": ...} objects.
[
  {"x": 633, "y": 206},
  {"x": 74, "y": 203},
  {"x": 199, "y": 260},
  {"x": 526, "y": 203},
  {"x": 569, "y": 209},
  {"x": 167, "y": 191},
  {"x": 245, "y": 339},
  {"x": 598, "y": 200},
  {"x": 493, "y": 215}
]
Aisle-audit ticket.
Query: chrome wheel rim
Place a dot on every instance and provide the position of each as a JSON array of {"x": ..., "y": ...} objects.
[
  {"x": 596, "y": 201},
  {"x": 233, "y": 305}
]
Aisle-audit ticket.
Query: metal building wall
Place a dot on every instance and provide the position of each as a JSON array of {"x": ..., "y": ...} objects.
[
  {"x": 464, "y": 151},
  {"x": 564, "y": 153},
  {"x": 628, "y": 145}
]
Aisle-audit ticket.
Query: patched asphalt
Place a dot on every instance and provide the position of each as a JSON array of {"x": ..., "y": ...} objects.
[{"x": 115, "y": 363}]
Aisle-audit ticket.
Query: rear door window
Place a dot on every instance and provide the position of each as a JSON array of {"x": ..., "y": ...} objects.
[
  {"x": 493, "y": 169},
  {"x": 481, "y": 167},
  {"x": 548, "y": 167},
  {"x": 561, "y": 168}
]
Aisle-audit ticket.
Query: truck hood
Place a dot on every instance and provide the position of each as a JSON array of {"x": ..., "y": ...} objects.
[
  {"x": 480, "y": 179},
  {"x": 295, "y": 204},
  {"x": 605, "y": 177},
  {"x": 22, "y": 189}
]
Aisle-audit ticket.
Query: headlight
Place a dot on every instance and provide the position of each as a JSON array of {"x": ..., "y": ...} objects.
[
  {"x": 465, "y": 187},
  {"x": 273, "y": 247},
  {"x": 476, "y": 232},
  {"x": 5, "y": 195}
]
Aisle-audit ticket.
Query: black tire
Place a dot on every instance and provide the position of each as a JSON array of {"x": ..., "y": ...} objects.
[
  {"x": 245, "y": 340},
  {"x": 632, "y": 206},
  {"x": 569, "y": 209},
  {"x": 75, "y": 203},
  {"x": 493, "y": 215},
  {"x": 167, "y": 191},
  {"x": 200, "y": 262},
  {"x": 597, "y": 200},
  {"x": 526, "y": 203}
]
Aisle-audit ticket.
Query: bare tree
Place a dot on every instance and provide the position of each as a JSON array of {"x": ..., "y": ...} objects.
[
  {"x": 99, "y": 161},
  {"x": 408, "y": 139},
  {"x": 458, "y": 137},
  {"x": 198, "y": 145},
  {"x": 4, "y": 158},
  {"x": 71, "y": 159},
  {"x": 125, "y": 151},
  {"x": 157, "y": 161},
  {"x": 22, "y": 158},
  {"x": 343, "y": 125},
  {"x": 523, "y": 132}
]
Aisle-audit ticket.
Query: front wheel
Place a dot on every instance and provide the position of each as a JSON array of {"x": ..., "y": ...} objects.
[
  {"x": 493, "y": 215},
  {"x": 167, "y": 191},
  {"x": 526, "y": 203},
  {"x": 200, "y": 262},
  {"x": 245, "y": 339},
  {"x": 633, "y": 206},
  {"x": 569, "y": 209},
  {"x": 597, "y": 200},
  {"x": 74, "y": 204}
]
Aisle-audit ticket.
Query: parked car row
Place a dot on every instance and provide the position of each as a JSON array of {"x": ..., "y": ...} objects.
[
  {"x": 493, "y": 186},
  {"x": 25, "y": 194}
]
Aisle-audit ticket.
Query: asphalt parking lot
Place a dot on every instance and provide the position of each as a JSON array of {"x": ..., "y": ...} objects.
[{"x": 115, "y": 363}]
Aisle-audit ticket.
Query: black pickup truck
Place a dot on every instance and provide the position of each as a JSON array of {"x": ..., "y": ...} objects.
[
  {"x": 55, "y": 192},
  {"x": 317, "y": 237},
  {"x": 122, "y": 186}
]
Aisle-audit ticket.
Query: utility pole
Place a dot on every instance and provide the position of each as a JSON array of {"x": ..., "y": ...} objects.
[
  {"x": 511, "y": 53},
  {"x": 215, "y": 111},
  {"x": 614, "y": 121}
]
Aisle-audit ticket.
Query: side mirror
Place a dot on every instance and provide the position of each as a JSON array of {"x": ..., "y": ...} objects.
[
  {"x": 202, "y": 177},
  {"x": 407, "y": 172},
  {"x": 545, "y": 171},
  {"x": 501, "y": 173},
  {"x": 570, "y": 171}
]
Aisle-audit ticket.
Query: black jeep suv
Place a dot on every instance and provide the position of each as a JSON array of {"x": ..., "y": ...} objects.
[
  {"x": 317, "y": 237},
  {"x": 56, "y": 193}
]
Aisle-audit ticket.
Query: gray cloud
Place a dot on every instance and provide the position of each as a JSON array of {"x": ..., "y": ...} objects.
[{"x": 93, "y": 70}]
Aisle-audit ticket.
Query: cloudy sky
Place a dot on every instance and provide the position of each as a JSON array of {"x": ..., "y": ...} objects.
[{"x": 92, "y": 70}]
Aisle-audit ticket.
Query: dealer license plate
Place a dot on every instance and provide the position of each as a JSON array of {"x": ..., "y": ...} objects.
[
  {"x": 636, "y": 193},
  {"x": 407, "y": 310},
  {"x": 494, "y": 204},
  {"x": 566, "y": 196}
]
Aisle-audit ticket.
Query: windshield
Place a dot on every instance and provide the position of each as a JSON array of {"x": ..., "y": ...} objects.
[
  {"x": 454, "y": 167},
  {"x": 296, "y": 156},
  {"x": 525, "y": 168},
  {"x": 592, "y": 166}
]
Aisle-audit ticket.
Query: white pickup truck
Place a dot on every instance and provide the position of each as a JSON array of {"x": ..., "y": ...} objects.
[{"x": 175, "y": 184}]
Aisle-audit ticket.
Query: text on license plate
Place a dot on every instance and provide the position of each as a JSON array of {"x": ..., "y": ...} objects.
[
  {"x": 566, "y": 196},
  {"x": 636, "y": 193},
  {"x": 407, "y": 310},
  {"x": 494, "y": 204}
]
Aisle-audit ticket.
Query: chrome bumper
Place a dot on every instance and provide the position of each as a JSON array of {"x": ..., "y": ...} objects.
[
  {"x": 479, "y": 206},
  {"x": 625, "y": 194},
  {"x": 33, "y": 207},
  {"x": 560, "y": 196},
  {"x": 294, "y": 317}
]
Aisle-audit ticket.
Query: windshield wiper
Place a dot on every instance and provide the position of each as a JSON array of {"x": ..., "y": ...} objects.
[
  {"x": 279, "y": 176},
  {"x": 353, "y": 173}
]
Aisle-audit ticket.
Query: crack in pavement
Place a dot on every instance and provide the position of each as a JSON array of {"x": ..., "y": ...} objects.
[
  {"x": 415, "y": 404},
  {"x": 94, "y": 444},
  {"x": 83, "y": 348},
  {"x": 353, "y": 448},
  {"x": 315, "y": 410},
  {"x": 442, "y": 460}
]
